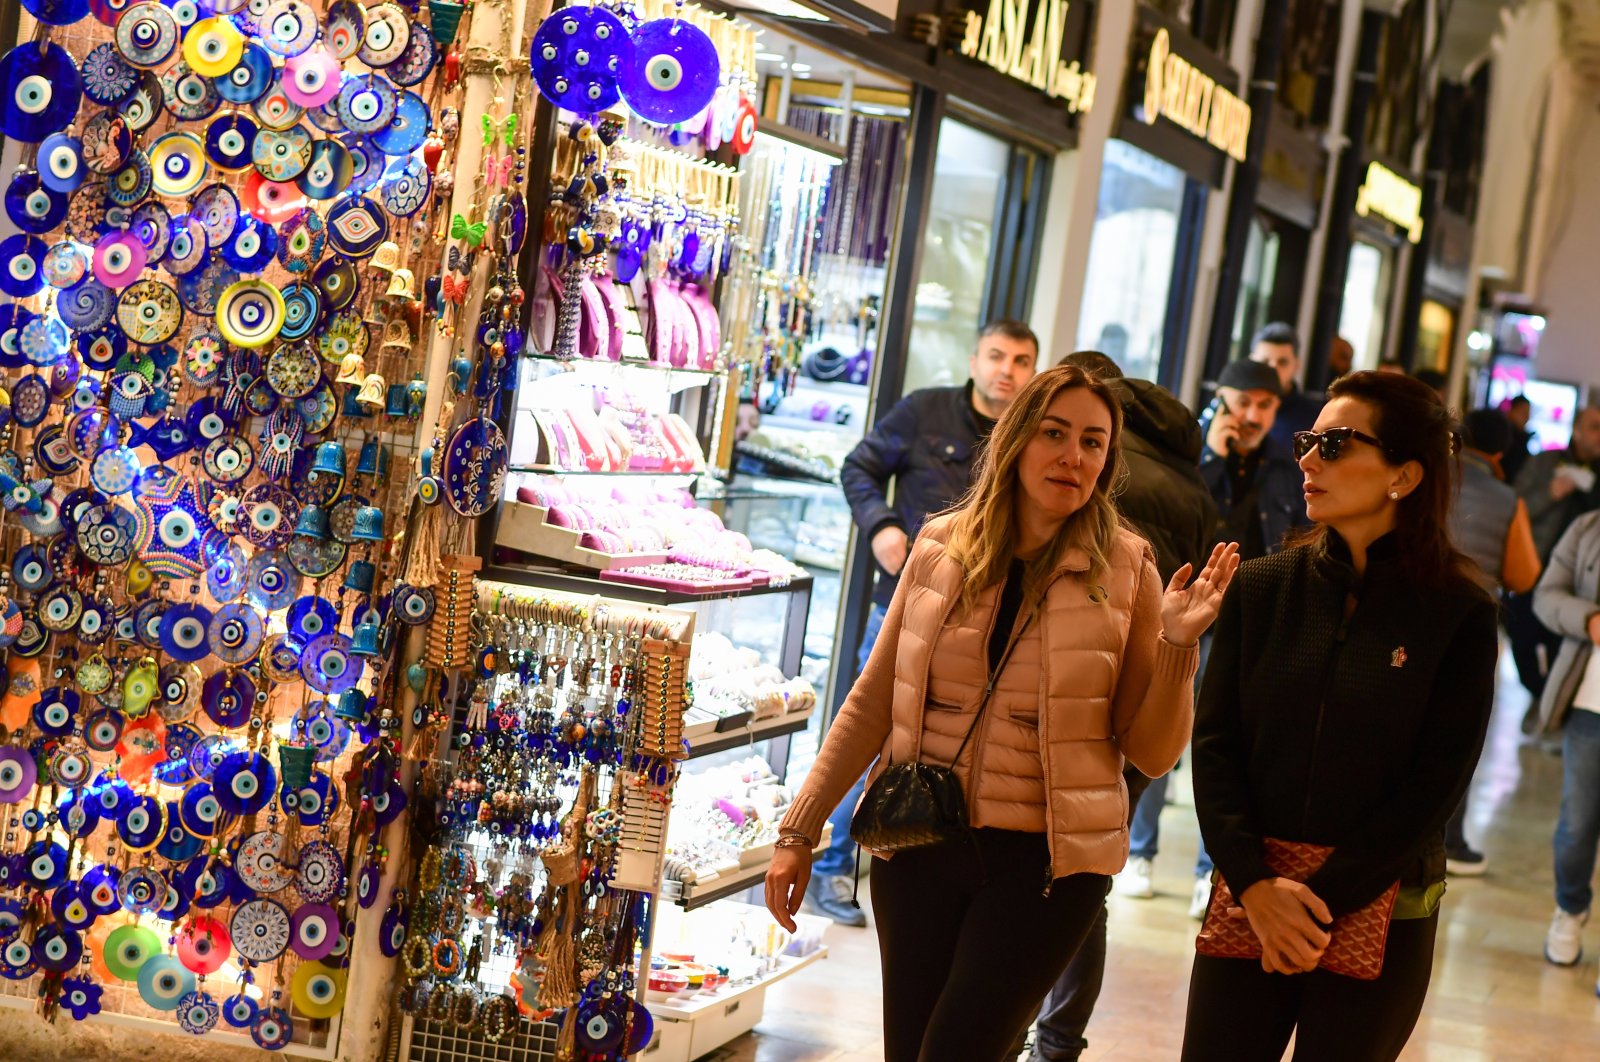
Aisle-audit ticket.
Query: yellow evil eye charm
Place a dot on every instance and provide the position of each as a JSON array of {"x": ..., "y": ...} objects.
[
  {"x": 139, "y": 688},
  {"x": 140, "y": 578}
]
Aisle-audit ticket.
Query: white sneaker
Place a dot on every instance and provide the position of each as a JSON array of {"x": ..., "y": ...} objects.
[
  {"x": 1200, "y": 899},
  {"x": 1563, "y": 945},
  {"x": 1134, "y": 880}
]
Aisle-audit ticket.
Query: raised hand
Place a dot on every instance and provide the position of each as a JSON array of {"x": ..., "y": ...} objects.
[{"x": 1187, "y": 609}]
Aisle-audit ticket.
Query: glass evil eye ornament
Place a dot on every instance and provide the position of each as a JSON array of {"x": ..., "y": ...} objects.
[
  {"x": 669, "y": 70},
  {"x": 43, "y": 89},
  {"x": 576, "y": 56}
]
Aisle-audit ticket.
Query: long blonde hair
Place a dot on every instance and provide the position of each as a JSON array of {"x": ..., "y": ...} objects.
[{"x": 982, "y": 535}]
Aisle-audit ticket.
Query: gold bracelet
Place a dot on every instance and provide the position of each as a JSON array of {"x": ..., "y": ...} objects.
[{"x": 793, "y": 840}]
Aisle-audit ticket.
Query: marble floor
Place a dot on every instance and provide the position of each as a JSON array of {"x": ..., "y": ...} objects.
[{"x": 1493, "y": 998}]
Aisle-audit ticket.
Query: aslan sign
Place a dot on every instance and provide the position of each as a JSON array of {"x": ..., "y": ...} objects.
[
  {"x": 1175, "y": 89},
  {"x": 1393, "y": 198},
  {"x": 1022, "y": 39}
]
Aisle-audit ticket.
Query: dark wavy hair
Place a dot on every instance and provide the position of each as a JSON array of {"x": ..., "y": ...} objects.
[{"x": 1414, "y": 426}]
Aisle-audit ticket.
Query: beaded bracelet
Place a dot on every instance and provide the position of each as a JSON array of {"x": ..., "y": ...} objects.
[
  {"x": 418, "y": 957},
  {"x": 446, "y": 957}
]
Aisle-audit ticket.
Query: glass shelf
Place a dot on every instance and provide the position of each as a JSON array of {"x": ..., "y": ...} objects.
[
  {"x": 585, "y": 472},
  {"x": 648, "y": 366}
]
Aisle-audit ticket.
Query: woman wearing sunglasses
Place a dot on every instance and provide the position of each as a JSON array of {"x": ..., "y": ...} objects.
[
  {"x": 1032, "y": 646},
  {"x": 1343, "y": 707}
]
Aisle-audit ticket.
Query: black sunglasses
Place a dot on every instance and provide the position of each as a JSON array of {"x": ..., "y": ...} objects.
[{"x": 1330, "y": 444}]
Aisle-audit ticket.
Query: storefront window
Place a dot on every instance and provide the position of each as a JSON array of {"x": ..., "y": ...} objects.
[
  {"x": 968, "y": 181},
  {"x": 1256, "y": 286},
  {"x": 1436, "y": 333},
  {"x": 1131, "y": 258},
  {"x": 1366, "y": 290}
]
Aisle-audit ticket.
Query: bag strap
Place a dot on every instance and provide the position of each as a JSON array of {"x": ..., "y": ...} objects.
[{"x": 988, "y": 689}]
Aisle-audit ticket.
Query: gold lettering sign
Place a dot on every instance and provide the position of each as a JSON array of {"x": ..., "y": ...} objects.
[
  {"x": 1022, "y": 39},
  {"x": 1393, "y": 198},
  {"x": 1178, "y": 91}
]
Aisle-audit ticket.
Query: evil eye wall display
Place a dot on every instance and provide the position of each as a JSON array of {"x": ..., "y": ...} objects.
[
  {"x": 17, "y": 774},
  {"x": 251, "y": 247},
  {"x": 118, "y": 260},
  {"x": 230, "y": 142},
  {"x": 328, "y": 666},
  {"x": 149, "y": 312},
  {"x": 406, "y": 188},
  {"x": 213, "y": 47},
  {"x": 669, "y": 70},
  {"x": 281, "y": 155},
  {"x": 147, "y": 34},
  {"x": 183, "y": 632},
  {"x": 408, "y": 129},
  {"x": 217, "y": 209},
  {"x": 186, "y": 250},
  {"x": 288, "y": 27},
  {"x": 44, "y": 89},
  {"x": 575, "y": 56},
  {"x": 329, "y": 171},
  {"x": 273, "y": 1029},
  {"x": 356, "y": 227},
  {"x": 198, "y": 1013},
  {"x": 177, "y": 164},
  {"x": 31, "y": 206},
  {"x": 188, "y": 95},
  {"x": 163, "y": 982},
  {"x": 61, "y": 163},
  {"x": 108, "y": 79},
  {"x": 387, "y": 33},
  {"x": 311, "y": 78},
  {"x": 250, "y": 313},
  {"x": 366, "y": 104},
  {"x": 250, "y": 77},
  {"x": 22, "y": 265}
]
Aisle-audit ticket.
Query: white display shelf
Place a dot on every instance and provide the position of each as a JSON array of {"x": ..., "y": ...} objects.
[
  {"x": 692, "y": 894},
  {"x": 699, "y": 1003}
]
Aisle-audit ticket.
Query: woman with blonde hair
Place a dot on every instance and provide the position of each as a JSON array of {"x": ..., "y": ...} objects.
[{"x": 1032, "y": 648}]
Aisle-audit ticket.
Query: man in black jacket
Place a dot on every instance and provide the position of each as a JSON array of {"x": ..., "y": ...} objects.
[
  {"x": 926, "y": 446},
  {"x": 1253, "y": 478},
  {"x": 1167, "y": 502},
  {"x": 1277, "y": 346}
]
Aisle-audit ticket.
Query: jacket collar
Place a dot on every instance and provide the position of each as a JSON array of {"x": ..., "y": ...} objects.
[{"x": 1333, "y": 560}]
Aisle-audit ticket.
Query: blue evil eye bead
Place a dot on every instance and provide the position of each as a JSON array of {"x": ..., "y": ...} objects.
[
  {"x": 251, "y": 247},
  {"x": 328, "y": 666},
  {"x": 183, "y": 632},
  {"x": 189, "y": 96},
  {"x": 103, "y": 729},
  {"x": 147, "y": 34},
  {"x": 187, "y": 247},
  {"x": 64, "y": 265},
  {"x": 344, "y": 28},
  {"x": 273, "y": 1029},
  {"x": 57, "y": 12},
  {"x": 17, "y": 960},
  {"x": 240, "y": 1011},
  {"x": 152, "y": 227},
  {"x": 328, "y": 173},
  {"x": 31, "y": 568},
  {"x": 13, "y": 319},
  {"x": 71, "y": 910},
  {"x": 273, "y": 583},
  {"x": 87, "y": 307},
  {"x": 45, "y": 864},
  {"x": 150, "y": 312},
  {"x": 188, "y": 12},
  {"x": 99, "y": 888},
  {"x": 366, "y": 104},
  {"x": 250, "y": 78},
  {"x": 102, "y": 349},
  {"x": 302, "y": 303},
  {"x": 356, "y": 227},
  {"x": 416, "y": 62},
  {"x": 288, "y": 27},
  {"x": 199, "y": 810},
  {"x": 317, "y": 802},
  {"x": 178, "y": 844},
  {"x": 18, "y": 772},
  {"x": 574, "y": 58},
  {"x": 44, "y": 341},
  {"x": 56, "y": 713},
  {"x": 30, "y": 401},
  {"x": 217, "y": 209},
  {"x": 31, "y": 206},
  {"x": 408, "y": 129},
  {"x": 244, "y": 783},
  {"x": 366, "y": 163},
  {"x": 387, "y": 34},
  {"x": 43, "y": 91},
  {"x": 310, "y": 618},
  {"x": 230, "y": 142},
  {"x": 326, "y": 117},
  {"x": 226, "y": 577},
  {"x": 107, "y": 77},
  {"x": 228, "y": 699},
  {"x": 281, "y": 155},
  {"x": 174, "y": 905},
  {"x": 669, "y": 70},
  {"x": 143, "y": 824},
  {"x": 177, "y": 164},
  {"x": 61, "y": 163},
  {"x": 22, "y": 265},
  {"x": 236, "y": 633},
  {"x": 406, "y": 188},
  {"x": 163, "y": 982},
  {"x": 303, "y": 238},
  {"x": 198, "y": 1013}
]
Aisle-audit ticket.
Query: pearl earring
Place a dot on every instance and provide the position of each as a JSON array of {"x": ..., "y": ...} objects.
[{"x": 1395, "y": 495}]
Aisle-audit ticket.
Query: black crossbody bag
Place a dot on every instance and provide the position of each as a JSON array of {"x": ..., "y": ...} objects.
[{"x": 915, "y": 804}]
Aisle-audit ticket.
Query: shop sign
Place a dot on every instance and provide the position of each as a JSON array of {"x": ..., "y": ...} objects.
[
  {"x": 1177, "y": 90},
  {"x": 1393, "y": 198},
  {"x": 1022, "y": 39}
]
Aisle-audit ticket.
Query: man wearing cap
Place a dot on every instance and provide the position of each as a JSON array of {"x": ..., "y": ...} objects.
[{"x": 1252, "y": 476}]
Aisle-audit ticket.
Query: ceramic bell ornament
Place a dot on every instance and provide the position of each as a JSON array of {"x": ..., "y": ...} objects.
[
  {"x": 401, "y": 285},
  {"x": 365, "y": 640},
  {"x": 395, "y": 405},
  {"x": 328, "y": 461},
  {"x": 313, "y": 522},
  {"x": 373, "y": 392},
  {"x": 352, "y": 706},
  {"x": 416, "y": 396},
  {"x": 374, "y": 460},
  {"x": 397, "y": 335},
  {"x": 359, "y": 577},
  {"x": 387, "y": 256},
  {"x": 352, "y": 370},
  {"x": 368, "y": 524}
]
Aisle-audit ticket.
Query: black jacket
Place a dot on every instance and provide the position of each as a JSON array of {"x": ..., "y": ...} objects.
[
  {"x": 1280, "y": 496},
  {"x": 928, "y": 444},
  {"x": 1164, "y": 497},
  {"x": 1297, "y": 411},
  {"x": 1360, "y": 733}
]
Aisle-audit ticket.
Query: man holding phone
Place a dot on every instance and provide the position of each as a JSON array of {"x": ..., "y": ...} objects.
[{"x": 1253, "y": 478}]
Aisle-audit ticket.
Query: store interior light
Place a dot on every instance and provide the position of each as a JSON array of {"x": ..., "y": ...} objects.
[
  {"x": 1477, "y": 341},
  {"x": 769, "y": 57},
  {"x": 1537, "y": 322},
  {"x": 800, "y": 68}
]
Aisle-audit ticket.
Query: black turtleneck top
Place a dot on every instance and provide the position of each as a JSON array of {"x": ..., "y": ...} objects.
[{"x": 1361, "y": 733}]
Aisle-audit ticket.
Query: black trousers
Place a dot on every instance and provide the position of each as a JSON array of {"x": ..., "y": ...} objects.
[
  {"x": 1239, "y": 1013},
  {"x": 970, "y": 942},
  {"x": 1526, "y": 635}
]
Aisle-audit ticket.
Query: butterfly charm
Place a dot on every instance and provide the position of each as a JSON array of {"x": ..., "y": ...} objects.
[
  {"x": 500, "y": 170},
  {"x": 505, "y": 128},
  {"x": 473, "y": 234},
  {"x": 453, "y": 288}
]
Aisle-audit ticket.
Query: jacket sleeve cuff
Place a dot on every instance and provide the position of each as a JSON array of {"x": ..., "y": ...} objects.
[
  {"x": 806, "y": 816},
  {"x": 1176, "y": 663}
]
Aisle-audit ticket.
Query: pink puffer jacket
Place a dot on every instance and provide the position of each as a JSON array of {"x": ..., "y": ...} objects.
[{"x": 1090, "y": 682}]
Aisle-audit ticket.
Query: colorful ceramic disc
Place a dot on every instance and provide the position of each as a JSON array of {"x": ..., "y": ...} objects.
[
  {"x": 356, "y": 226},
  {"x": 241, "y": 1011},
  {"x": 213, "y": 47},
  {"x": 130, "y": 184},
  {"x": 406, "y": 188},
  {"x": 288, "y": 27},
  {"x": 31, "y": 206},
  {"x": 273, "y": 1029},
  {"x": 250, "y": 77},
  {"x": 317, "y": 990},
  {"x": 273, "y": 583},
  {"x": 251, "y": 247},
  {"x": 118, "y": 259},
  {"x": 336, "y": 279},
  {"x": 328, "y": 173},
  {"x": 367, "y": 104},
  {"x": 197, "y": 1011},
  {"x": 217, "y": 209},
  {"x": 235, "y": 633},
  {"x": 321, "y": 874},
  {"x": 143, "y": 106},
  {"x": 187, "y": 94},
  {"x": 416, "y": 62},
  {"x": 275, "y": 110},
  {"x": 149, "y": 312},
  {"x": 250, "y": 313},
  {"x": 64, "y": 265},
  {"x": 22, "y": 267},
  {"x": 272, "y": 201},
  {"x": 177, "y": 164},
  {"x": 302, "y": 303},
  {"x": 230, "y": 141},
  {"x": 344, "y": 28},
  {"x": 387, "y": 34},
  {"x": 147, "y": 34},
  {"x": 43, "y": 90},
  {"x": 328, "y": 666},
  {"x": 107, "y": 77},
  {"x": 311, "y": 79},
  {"x": 130, "y": 947},
  {"x": 313, "y": 930},
  {"x": 186, "y": 250},
  {"x": 408, "y": 129},
  {"x": 669, "y": 70},
  {"x": 152, "y": 227},
  {"x": 225, "y": 577},
  {"x": 281, "y": 155}
]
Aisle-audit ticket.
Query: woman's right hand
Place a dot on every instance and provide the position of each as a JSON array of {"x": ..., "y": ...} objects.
[
  {"x": 1281, "y": 912},
  {"x": 786, "y": 883}
]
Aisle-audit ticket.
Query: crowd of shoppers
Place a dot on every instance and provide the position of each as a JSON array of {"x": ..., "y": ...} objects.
[{"x": 1057, "y": 547}]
